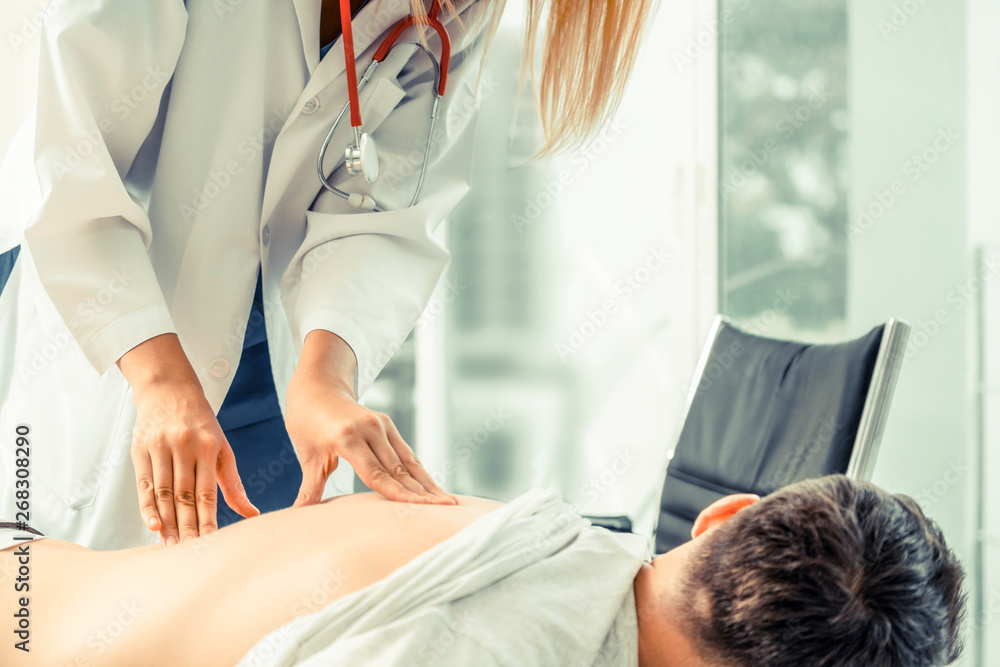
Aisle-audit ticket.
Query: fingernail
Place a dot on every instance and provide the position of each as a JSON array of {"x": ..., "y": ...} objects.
[
  {"x": 151, "y": 521},
  {"x": 171, "y": 541}
]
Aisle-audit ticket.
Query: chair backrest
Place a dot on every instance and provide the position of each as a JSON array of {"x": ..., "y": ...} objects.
[{"x": 763, "y": 413}]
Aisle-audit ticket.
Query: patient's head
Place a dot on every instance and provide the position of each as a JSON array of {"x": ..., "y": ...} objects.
[{"x": 828, "y": 572}]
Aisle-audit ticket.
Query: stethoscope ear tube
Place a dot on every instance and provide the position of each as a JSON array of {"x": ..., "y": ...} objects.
[{"x": 434, "y": 115}]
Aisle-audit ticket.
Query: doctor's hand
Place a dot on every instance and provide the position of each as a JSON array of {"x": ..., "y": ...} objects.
[
  {"x": 325, "y": 423},
  {"x": 178, "y": 448}
]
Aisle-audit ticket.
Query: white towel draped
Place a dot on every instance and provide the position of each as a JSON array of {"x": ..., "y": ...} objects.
[{"x": 531, "y": 583}]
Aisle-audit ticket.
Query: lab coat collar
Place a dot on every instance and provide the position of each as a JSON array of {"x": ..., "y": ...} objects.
[{"x": 371, "y": 22}]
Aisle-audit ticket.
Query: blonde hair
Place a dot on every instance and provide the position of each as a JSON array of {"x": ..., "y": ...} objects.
[{"x": 587, "y": 56}]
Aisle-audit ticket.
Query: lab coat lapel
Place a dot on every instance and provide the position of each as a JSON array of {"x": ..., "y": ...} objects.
[
  {"x": 308, "y": 12},
  {"x": 369, "y": 25}
]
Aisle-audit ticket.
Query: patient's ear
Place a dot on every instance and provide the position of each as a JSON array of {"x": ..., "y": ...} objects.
[{"x": 720, "y": 510}]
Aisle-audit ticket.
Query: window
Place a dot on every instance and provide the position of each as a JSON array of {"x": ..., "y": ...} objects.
[{"x": 783, "y": 167}]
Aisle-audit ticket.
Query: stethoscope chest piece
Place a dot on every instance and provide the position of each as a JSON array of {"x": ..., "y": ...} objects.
[{"x": 361, "y": 157}]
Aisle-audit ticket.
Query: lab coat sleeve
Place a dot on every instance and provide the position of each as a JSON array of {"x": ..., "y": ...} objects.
[
  {"x": 104, "y": 67},
  {"x": 368, "y": 276}
]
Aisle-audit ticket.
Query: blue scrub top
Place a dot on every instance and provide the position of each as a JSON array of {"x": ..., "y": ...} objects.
[
  {"x": 251, "y": 419},
  {"x": 7, "y": 260}
]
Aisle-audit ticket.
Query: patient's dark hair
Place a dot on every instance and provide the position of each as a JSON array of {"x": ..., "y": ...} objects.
[{"x": 828, "y": 572}]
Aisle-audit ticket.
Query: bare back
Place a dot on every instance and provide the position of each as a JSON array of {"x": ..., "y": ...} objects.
[{"x": 209, "y": 600}]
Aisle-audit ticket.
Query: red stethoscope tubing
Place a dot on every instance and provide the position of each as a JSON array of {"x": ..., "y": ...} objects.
[{"x": 350, "y": 65}]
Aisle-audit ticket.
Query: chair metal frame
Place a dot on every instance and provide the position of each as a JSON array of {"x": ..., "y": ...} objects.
[{"x": 874, "y": 414}]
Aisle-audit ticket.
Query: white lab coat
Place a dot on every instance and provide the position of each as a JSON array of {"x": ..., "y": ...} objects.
[{"x": 175, "y": 149}]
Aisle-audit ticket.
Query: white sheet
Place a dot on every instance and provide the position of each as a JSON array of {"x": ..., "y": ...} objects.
[{"x": 530, "y": 583}]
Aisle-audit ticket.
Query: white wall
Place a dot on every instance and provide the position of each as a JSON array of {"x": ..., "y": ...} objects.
[
  {"x": 923, "y": 109},
  {"x": 653, "y": 188},
  {"x": 19, "y": 42},
  {"x": 983, "y": 53},
  {"x": 19, "y": 21}
]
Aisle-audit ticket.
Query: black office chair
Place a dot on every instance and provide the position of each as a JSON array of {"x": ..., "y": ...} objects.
[{"x": 763, "y": 413}]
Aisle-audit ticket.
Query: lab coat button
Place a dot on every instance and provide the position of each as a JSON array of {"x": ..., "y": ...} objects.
[
  {"x": 265, "y": 235},
  {"x": 311, "y": 106},
  {"x": 220, "y": 368}
]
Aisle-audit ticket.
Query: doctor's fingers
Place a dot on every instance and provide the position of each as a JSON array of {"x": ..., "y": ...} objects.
[
  {"x": 144, "y": 487},
  {"x": 413, "y": 465},
  {"x": 314, "y": 475},
  {"x": 390, "y": 460},
  {"x": 185, "y": 503},
  {"x": 163, "y": 491},
  {"x": 377, "y": 465},
  {"x": 233, "y": 491},
  {"x": 205, "y": 496}
]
